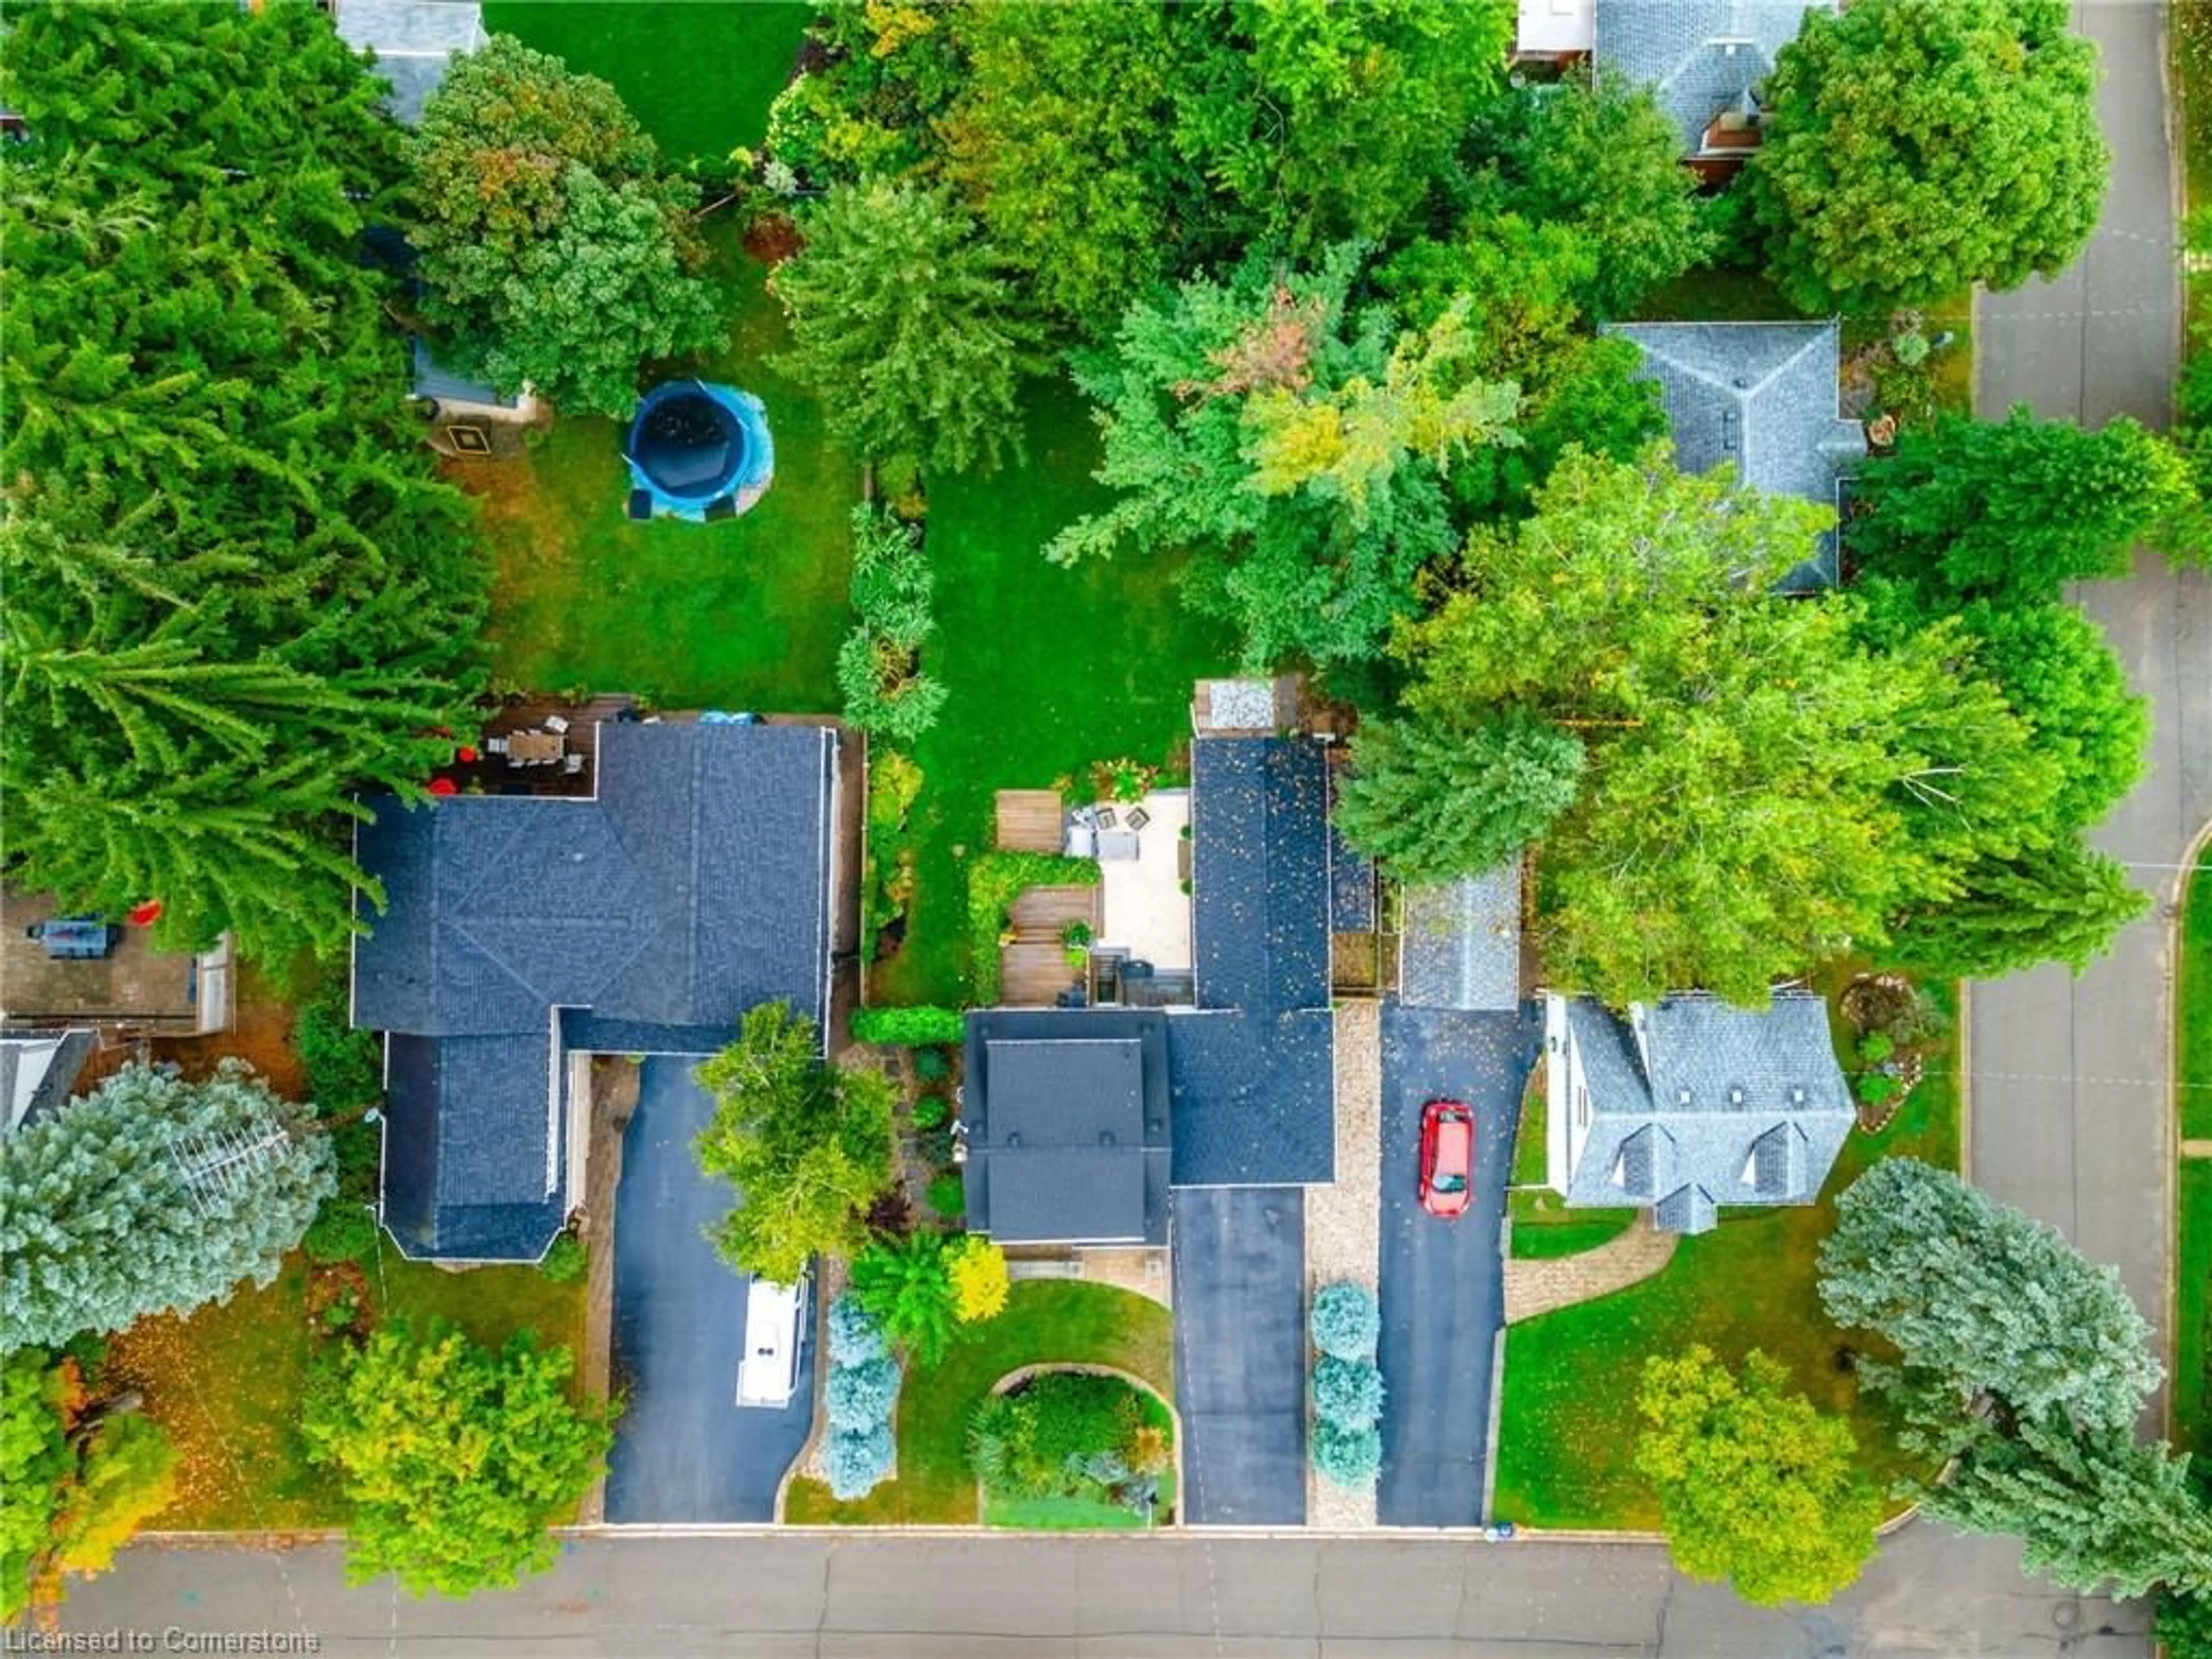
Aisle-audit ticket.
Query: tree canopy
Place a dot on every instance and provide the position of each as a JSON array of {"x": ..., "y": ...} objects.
[
  {"x": 1293, "y": 447},
  {"x": 556, "y": 254},
  {"x": 454, "y": 1459},
  {"x": 807, "y": 1146},
  {"x": 1915, "y": 147},
  {"x": 1756, "y": 1486},
  {"x": 151, "y": 1195},
  {"x": 236, "y": 593}
]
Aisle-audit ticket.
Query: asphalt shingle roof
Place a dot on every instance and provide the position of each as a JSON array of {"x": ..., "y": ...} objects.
[
  {"x": 1764, "y": 396},
  {"x": 465, "y": 1170},
  {"x": 1460, "y": 947},
  {"x": 1694, "y": 1102},
  {"x": 1260, "y": 897},
  {"x": 1254, "y": 1099},
  {"x": 1699, "y": 57},
  {"x": 695, "y": 886}
]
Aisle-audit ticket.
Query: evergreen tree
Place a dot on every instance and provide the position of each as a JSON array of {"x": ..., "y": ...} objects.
[
  {"x": 555, "y": 252},
  {"x": 1756, "y": 1486},
  {"x": 455, "y": 1459},
  {"x": 2059, "y": 902},
  {"x": 1916, "y": 147},
  {"x": 237, "y": 595},
  {"x": 904, "y": 324},
  {"x": 1434, "y": 802},
  {"x": 151, "y": 1195}
]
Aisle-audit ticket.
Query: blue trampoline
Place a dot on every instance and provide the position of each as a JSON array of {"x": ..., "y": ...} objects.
[{"x": 697, "y": 451}]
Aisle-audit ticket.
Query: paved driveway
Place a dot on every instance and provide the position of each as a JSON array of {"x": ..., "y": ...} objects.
[
  {"x": 684, "y": 1450},
  {"x": 1240, "y": 1300},
  {"x": 1442, "y": 1289}
]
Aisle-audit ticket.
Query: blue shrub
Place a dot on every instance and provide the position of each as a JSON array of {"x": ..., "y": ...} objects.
[
  {"x": 1347, "y": 1393},
  {"x": 859, "y": 1396},
  {"x": 1350, "y": 1458},
  {"x": 856, "y": 1460},
  {"x": 855, "y": 1336},
  {"x": 1345, "y": 1322}
]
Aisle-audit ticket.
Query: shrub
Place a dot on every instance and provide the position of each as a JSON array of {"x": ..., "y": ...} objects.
[
  {"x": 1347, "y": 1393},
  {"x": 566, "y": 1261},
  {"x": 917, "y": 1027},
  {"x": 948, "y": 1195},
  {"x": 1911, "y": 348},
  {"x": 980, "y": 1287},
  {"x": 344, "y": 1067},
  {"x": 856, "y": 1461},
  {"x": 1075, "y": 933},
  {"x": 930, "y": 1111},
  {"x": 909, "y": 1287},
  {"x": 934, "y": 1143},
  {"x": 855, "y": 1338},
  {"x": 932, "y": 1066},
  {"x": 1875, "y": 1048},
  {"x": 860, "y": 1396},
  {"x": 1875, "y": 1088},
  {"x": 341, "y": 1232},
  {"x": 1345, "y": 1322},
  {"x": 1350, "y": 1458},
  {"x": 1034, "y": 1441}
]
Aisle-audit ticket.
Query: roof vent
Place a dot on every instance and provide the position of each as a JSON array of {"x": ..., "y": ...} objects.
[
  {"x": 1735, "y": 1094},
  {"x": 1682, "y": 1097},
  {"x": 1105, "y": 1137},
  {"x": 1743, "y": 383},
  {"x": 1797, "y": 1095},
  {"x": 1013, "y": 1138}
]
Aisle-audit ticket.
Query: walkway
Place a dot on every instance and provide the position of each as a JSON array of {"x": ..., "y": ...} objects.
[
  {"x": 1539, "y": 1287},
  {"x": 1029, "y": 820},
  {"x": 2070, "y": 1101}
]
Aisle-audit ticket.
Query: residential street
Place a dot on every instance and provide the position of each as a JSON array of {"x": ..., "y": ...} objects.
[{"x": 2068, "y": 1120}]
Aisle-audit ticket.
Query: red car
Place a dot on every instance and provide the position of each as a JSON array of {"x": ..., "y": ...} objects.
[{"x": 1447, "y": 1157}]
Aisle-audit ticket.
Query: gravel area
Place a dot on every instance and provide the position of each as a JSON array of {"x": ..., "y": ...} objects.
[{"x": 1343, "y": 1219}]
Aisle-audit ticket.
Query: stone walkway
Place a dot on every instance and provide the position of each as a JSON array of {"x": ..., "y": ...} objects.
[
  {"x": 1344, "y": 1217},
  {"x": 2197, "y": 1149},
  {"x": 1538, "y": 1287}
]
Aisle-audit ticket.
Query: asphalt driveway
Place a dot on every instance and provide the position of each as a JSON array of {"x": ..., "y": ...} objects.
[
  {"x": 1443, "y": 1282},
  {"x": 684, "y": 1450},
  {"x": 1240, "y": 1303}
]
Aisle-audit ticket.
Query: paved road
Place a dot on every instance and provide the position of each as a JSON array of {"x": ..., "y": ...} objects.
[
  {"x": 1240, "y": 1298},
  {"x": 685, "y": 1451},
  {"x": 1443, "y": 1282},
  {"x": 2069, "y": 1087},
  {"x": 1198, "y": 1594}
]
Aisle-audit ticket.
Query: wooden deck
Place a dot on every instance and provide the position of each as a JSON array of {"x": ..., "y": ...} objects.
[
  {"x": 1029, "y": 820},
  {"x": 1033, "y": 970},
  {"x": 491, "y": 775}
]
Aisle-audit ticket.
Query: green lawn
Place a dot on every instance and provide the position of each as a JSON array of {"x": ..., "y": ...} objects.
[
  {"x": 1567, "y": 1442},
  {"x": 699, "y": 75},
  {"x": 2192, "y": 1036},
  {"x": 226, "y": 1382},
  {"x": 1060, "y": 1515},
  {"x": 1545, "y": 1231},
  {"x": 745, "y": 614},
  {"x": 2192, "y": 1335},
  {"x": 1047, "y": 670},
  {"x": 1047, "y": 1322}
]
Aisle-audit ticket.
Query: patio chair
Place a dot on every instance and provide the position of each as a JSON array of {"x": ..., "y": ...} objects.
[
  {"x": 1139, "y": 817},
  {"x": 1106, "y": 818},
  {"x": 495, "y": 745},
  {"x": 557, "y": 724},
  {"x": 641, "y": 505},
  {"x": 572, "y": 764}
]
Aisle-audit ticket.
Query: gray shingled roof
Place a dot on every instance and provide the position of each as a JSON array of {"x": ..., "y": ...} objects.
[
  {"x": 1765, "y": 397},
  {"x": 1259, "y": 898},
  {"x": 1254, "y": 1099},
  {"x": 1699, "y": 57},
  {"x": 1461, "y": 944},
  {"x": 412, "y": 40},
  {"x": 39, "y": 1070},
  {"x": 434, "y": 379},
  {"x": 1693, "y": 1103},
  {"x": 1067, "y": 1123},
  {"x": 695, "y": 886}
]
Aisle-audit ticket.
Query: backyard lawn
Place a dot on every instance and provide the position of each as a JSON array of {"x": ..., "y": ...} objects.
[
  {"x": 1567, "y": 1443},
  {"x": 699, "y": 75},
  {"x": 1047, "y": 1322},
  {"x": 743, "y": 614},
  {"x": 226, "y": 1382},
  {"x": 1047, "y": 671}
]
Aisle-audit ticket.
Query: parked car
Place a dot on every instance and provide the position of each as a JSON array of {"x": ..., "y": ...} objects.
[
  {"x": 1447, "y": 1157},
  {"x": 775, "y": 1328}
]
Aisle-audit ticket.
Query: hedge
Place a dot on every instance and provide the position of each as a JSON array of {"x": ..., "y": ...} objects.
[{"x": 908, "y": 1028}]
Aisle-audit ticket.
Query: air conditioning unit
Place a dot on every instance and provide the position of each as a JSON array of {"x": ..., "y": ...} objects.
[{"x": 469, "y": 440}]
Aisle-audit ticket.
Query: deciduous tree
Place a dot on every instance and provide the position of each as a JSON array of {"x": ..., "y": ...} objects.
[
  {"x": 454, "y": 1459},
  {"x": 1756, "y": 1485},
  {"x": 1916, "y": 147},
  {"x": 151, "y": 1194},
  {"x": 807, "y": 1146},
  {"x": 905, "y": 323}
]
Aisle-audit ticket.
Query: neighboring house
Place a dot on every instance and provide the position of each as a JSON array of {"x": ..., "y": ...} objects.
[
  {"x": 1767, "y": 397},
  {"x": 1553, "y": 31},
  {"x": 1075, "y": 1122},
  {"x": 412, "y": 40},
  {"x": 1704, "y": 60},
  {"x": 469, "y": 417},
  {"x": 1460, "y": 947},
  {"x": 524, "y": 934},
  {"x": 60, "y": 973},
  {"x": 1689, "y": 1104},
  {"x": 39, "y": 1070}
]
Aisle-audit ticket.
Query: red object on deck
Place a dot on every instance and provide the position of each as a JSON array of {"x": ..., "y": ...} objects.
[
  {"x": 465, "y": 754},
  {"x": 146, "y": 915},
  {"x": 444, "y": 786}
]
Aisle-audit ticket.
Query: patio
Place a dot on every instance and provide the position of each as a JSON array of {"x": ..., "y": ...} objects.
[{"x": 1146, "y": 909}]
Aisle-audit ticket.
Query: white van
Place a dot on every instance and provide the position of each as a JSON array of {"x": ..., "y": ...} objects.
[{"x": 775, "y": 1327}]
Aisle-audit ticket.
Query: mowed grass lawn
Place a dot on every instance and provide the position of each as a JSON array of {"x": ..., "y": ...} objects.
[
  {"x": 699, "y": 75},
  {"x": 227, "y": 1383},
  {"x": 1047, "y": 1322},
  {"x": 1047, "y": 669},
  {"x": 1567, "y": 1437},
  {"x": 2193, "y": 1332},
  {"x": 743, "y": 614}
]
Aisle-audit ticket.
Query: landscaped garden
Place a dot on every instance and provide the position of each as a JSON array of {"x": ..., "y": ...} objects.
[
  {"x": 1046, "y": 1322},
  {"x": 1566, "y": 1439}
]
